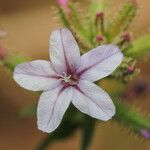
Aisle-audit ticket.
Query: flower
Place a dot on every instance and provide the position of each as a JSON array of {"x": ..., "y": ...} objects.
[{"x": 69, "y": 78}]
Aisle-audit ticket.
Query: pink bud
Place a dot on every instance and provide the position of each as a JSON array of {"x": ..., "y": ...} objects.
[
  {"x": 127, "y": 37},
  {"x": 99, "y": 38},
  {"x": 63, "y": 3},
  {"x": 130, "y": 69},
  {"x": 2, "y": 53},
  {"x": 135, "y": 2},
  {"x": 100, "y": 15}
]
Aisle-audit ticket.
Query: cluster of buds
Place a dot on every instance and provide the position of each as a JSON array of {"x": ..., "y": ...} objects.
[{"x": 127, "y": 70}]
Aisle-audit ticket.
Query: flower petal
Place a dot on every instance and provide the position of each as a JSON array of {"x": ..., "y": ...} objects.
[
  {"x": 64, "y": 51},
  {"x": 51, "y": 108},
  {"x": 36, "y": 75},
  {"x": 99, "y": 62},
  {"x": 92, "y": 100}
]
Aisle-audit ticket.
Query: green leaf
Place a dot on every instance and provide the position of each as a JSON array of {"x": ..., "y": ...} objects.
[{"x": 139, "y": 47}]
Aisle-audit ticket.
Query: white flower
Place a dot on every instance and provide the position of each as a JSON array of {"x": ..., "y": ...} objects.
[{"x": 69, "y": 78}]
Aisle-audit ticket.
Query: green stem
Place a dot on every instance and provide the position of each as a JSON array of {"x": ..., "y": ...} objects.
[{"x": 88, "y": 129}]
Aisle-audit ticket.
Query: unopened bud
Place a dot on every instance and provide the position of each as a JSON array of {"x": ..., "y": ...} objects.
[
  {"x": 127, "y": 37},
  {"x": 100, "y": 15},
  {"x": 63, "y": 3},
  {"x": 135, "y": 2},
  {"x": 130, "y": 69},
  {"x": 99, "y": 38},
  {"x": 2, "y": 53}
]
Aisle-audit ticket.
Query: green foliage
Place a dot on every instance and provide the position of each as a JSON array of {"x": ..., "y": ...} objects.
[
  {"x": 139, "y": 48},
  {"x": 121, "y": 20},
  {"x": 130, "y": 117}
]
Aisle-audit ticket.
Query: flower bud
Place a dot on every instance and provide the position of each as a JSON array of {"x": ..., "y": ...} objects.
[
  {"x": 135, "y": 2},
  {"x": 99, "y": 15},
  {"x": 63, "y": 3},
  {"x": 2, "y": 53},
  {"x": 130, "y": 69},
  {"x": 99, "y": 38},
  {"x": 127, "y": 37}
]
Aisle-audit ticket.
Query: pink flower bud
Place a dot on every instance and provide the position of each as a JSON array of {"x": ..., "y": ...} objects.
[
  {"x": 135, "y": 2},
  {"x": 99, "y": 38},
  {"x": 99, "y": 15},
  {"x": 130, "y": 69},
  {"x": 2, "y": 53},
  {"x": 63, "y": 3},
  {"x": 127, "y": 37}
]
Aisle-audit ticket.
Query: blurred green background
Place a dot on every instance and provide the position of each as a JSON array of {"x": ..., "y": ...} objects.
[{"x": 28, "y": 25}]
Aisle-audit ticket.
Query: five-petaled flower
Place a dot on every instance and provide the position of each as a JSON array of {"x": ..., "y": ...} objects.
[{"x": 69, "y": 78}]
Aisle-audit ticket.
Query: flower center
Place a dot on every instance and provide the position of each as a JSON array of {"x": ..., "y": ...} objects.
[{"x": 69, "y": 79}]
